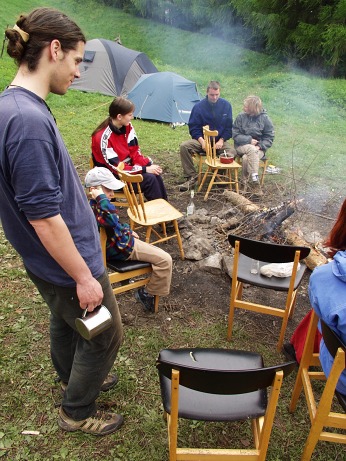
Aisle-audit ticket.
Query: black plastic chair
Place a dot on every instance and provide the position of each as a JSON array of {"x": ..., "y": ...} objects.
[
  {"x": 219, "y": 385},
  {"x": 245, "y": 251}
]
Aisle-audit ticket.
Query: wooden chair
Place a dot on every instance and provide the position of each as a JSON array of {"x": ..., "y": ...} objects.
[
  {"x": 199, "y": 159},
  {"x": 214, "y": 165},
  {"x": 247, "y": 250},
  {"x": 123, "y": 271},
  {"x": 321, "y": 414},
  {"x": 263, "y": 164},
  {"x": 219, "y": 385},
  {"x": 119, "y": 199},
  {"x": 152, "y": 215}
]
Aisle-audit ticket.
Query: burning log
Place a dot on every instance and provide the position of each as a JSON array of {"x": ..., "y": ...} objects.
[
  {"x": 274, "y": 217},
  {"x": 314, "y": 259},
  {"x": 264, "y": 224},
  {"x": 259, "y": 224},
  {"x": 245, "y": 205}
]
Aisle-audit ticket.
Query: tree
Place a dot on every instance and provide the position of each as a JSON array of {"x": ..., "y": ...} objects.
[{"x": 310, "y": 30}]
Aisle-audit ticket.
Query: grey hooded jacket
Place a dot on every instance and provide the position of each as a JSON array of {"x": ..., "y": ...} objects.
[{"x": 260, "y": 127}]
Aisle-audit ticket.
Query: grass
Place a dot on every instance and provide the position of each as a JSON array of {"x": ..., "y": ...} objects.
[{"x": 309, "y": 116}]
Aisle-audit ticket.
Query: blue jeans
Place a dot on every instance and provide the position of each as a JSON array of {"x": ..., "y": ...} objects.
[{"x": 82, "y": 364}]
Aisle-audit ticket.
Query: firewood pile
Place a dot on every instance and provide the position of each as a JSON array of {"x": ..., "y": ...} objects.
[{"x": 265, "y": 224}]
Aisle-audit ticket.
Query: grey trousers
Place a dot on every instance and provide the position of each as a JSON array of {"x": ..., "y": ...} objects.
[
  {"x": 188, "y": 148},
  {"x": 82, "y": 364}
]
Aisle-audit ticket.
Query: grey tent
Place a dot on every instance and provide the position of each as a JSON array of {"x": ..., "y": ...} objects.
[
  {"x": 164, "y": 96},
  {"x": 110, "y": 68}
]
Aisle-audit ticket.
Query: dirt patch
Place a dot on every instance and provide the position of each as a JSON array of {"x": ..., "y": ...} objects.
[{"x": 194, "y": 289}]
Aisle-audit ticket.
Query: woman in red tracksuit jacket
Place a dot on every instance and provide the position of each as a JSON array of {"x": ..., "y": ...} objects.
[{"x": 115, "y": 141}]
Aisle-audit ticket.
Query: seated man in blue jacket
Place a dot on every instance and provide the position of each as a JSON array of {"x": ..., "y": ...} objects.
[{"x": 215, "y": 112}]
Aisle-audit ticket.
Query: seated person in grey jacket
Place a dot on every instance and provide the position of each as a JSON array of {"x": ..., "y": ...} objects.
[{"x": 253, "y": 134}]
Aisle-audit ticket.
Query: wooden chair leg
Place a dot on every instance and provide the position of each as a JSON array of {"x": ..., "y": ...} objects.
[
  {"x": 156, "y": 303},
  {"x": 235, "y": 289},
  {"x": 236, "y": 181},
  {"x": 282, "y": 331},
  {"x": 230, "y": 321},
  {"x": 304, "y": 363},
  {"x": 294, "y": 296},
  {"x": 200, "y": 166},
  {"x": 148, "y": 234},
  {"x": 203, "y": 180},
  {"x": 173, "y": 417},
  {"x": 180, "y": 243},
  {"x": 210, "y": 184},
  {"x": 265, "y": 164}
]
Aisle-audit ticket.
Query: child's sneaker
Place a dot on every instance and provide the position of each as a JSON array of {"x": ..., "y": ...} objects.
[{"x": 146, "y": 299}]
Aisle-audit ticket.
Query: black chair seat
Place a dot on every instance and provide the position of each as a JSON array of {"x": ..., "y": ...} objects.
[
  {"x": 213, "y": 374},
  {"x": 126, "y": 266},
  {"x": 273, "y": 283}
]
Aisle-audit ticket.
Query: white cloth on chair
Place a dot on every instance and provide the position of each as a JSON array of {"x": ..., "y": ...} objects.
[{"x": 278, "y": 269}]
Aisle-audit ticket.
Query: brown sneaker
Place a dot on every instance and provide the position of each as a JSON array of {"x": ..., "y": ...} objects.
[
  {"x": 101, "y": 423},
  {"x": 189, "y": 184},
  {"x": 108, "y": 383}
]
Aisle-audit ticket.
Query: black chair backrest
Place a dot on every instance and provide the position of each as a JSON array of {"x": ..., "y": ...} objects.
[
  {"x": 268, "y": 252},
  {"x": 331, "y": 339},
  {"x": 217, "y": 381}
]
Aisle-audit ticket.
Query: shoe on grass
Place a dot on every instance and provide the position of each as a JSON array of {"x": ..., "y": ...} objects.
[
  {"x": 189, "y": 184},
  {"x": 146, "y": 299},
  {"x": 108, "y": 383},
  {"x": 100, "y": 423}
]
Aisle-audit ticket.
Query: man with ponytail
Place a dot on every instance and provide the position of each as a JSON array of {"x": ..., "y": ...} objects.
[{"x": 46, "y": 216}]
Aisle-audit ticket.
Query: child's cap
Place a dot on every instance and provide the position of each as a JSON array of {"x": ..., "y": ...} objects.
[{"x": 100, "y": 176}]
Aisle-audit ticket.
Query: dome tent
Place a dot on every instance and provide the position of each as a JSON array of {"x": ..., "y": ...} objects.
[
  {"x": 165, "y": 97},
  {"x": 110, "y": 68}
]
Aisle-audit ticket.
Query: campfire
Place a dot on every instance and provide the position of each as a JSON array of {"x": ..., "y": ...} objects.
[{"x": 247, "y": 219}]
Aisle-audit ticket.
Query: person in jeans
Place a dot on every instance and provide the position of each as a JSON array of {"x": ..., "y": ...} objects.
[
  {"x": 122, "y": 242},
  {"x": 46, "y": 216},
  {"x": 253, "y": 134},
  {"x": 215, "y": 112}
]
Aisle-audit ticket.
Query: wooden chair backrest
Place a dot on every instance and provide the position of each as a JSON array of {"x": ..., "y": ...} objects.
[
  {"x": 103, "y": 241},
  {"x": 219, "y": 381},
  {"x": 210, "y": 149},
  {"x": 268, "y": 252},
  {"x": 134, "y": 198}
]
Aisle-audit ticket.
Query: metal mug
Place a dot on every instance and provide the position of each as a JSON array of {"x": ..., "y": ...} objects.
[{"x": 93, "y": 323}]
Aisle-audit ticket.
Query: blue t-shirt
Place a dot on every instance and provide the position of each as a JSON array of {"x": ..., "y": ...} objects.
[{"x": 38, "y": 180}]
